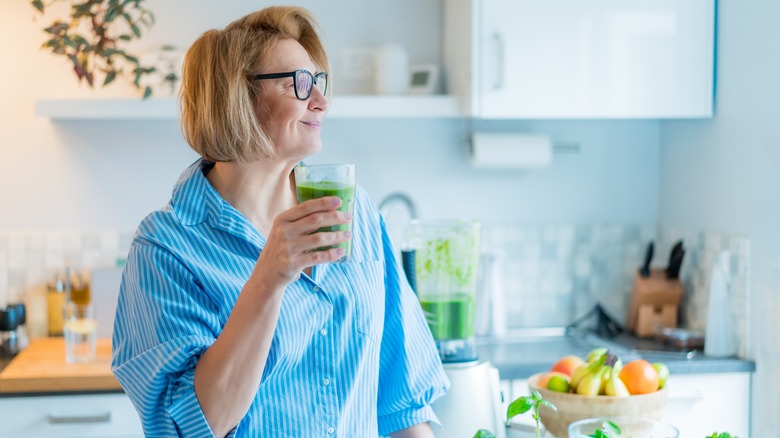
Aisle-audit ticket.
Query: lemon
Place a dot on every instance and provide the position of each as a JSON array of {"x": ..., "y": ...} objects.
[{"x": 558, "y": 383}]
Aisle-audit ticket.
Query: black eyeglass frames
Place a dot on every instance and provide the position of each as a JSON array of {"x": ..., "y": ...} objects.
[{"x": 303, "y": 80}]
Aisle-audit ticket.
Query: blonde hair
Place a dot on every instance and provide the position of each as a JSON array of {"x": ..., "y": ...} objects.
[{"x": 218, "y": 98}]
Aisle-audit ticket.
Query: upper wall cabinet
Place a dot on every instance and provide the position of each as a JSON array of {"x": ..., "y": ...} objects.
[{"x": 563, "y": 59}]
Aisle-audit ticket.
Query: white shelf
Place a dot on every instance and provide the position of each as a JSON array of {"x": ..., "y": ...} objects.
[{"x": 341, "y": 107}]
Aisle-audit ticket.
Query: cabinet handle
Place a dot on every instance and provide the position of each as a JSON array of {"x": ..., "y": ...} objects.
[
  {"x": 72, "y": 419},
  {"x": 693, "y": 397},
  {"x": 499, "y": 61}
]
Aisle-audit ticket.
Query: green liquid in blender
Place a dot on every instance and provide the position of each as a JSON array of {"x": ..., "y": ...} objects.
[{"x": 450, "y": 317}]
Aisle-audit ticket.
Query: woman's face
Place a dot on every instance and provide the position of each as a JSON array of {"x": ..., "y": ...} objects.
[{"x": 293, "y": 125}]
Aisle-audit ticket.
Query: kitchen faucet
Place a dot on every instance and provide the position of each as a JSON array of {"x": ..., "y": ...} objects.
[{"x": 398, "y": 197}]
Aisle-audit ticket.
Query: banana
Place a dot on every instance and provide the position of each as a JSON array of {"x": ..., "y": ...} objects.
[
  {"x": 595, "y": 354},
  {"x": 618, "y": 365},
  {"x": 615, "y": 386},
  {"x": 591, "y": 383},
  {"x": 604, "y": 378},
  {"x": 577, "y": 375},
  {"x": 583, "y": 370}
]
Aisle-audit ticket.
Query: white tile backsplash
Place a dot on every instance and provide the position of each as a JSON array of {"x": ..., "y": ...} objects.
[{"x": 552, "y": 274}]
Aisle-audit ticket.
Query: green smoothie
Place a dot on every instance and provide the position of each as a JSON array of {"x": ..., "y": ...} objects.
[
  {"x": 451, "y": 316},
  {"x": 312, "y": 190}
]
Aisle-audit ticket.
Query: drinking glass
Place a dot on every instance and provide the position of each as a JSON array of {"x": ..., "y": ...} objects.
[
  {"x": 80, "y": 329},
  {"x": 316, "y": 181},
  {"x": 635, "y": 427}
]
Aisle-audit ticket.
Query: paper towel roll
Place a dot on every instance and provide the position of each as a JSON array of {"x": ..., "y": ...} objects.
[{"x": 510, "y": 151}]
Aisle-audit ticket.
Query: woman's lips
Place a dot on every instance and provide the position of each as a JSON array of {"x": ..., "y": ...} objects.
[{"x": 315, "y": 125}]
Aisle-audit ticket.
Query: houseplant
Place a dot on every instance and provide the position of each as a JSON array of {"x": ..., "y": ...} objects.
[{"x": 93, "y": 35}]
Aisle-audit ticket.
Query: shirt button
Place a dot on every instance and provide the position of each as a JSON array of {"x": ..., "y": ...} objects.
[
  {"x": 331, "y": 430},
  {"x": 324, "y": 332},
  {"x": 316, "y": 288},
  {"x": 326, "y": 381}
]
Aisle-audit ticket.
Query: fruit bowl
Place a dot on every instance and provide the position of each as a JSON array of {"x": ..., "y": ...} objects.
[{"x": 573, "y": 407}]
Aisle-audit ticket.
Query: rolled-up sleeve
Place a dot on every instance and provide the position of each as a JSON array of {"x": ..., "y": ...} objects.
[
  {"x": 411, "y": 376},
  {"x": 164, "y": 323}
]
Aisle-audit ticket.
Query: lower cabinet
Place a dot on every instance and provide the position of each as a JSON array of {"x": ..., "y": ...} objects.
[
  {"x": 70, "y": 416},
  {"x": 698, "y": 405}
]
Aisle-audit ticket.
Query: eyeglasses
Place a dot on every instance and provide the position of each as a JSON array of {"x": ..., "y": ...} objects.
[{"x": 303, "y": 80}]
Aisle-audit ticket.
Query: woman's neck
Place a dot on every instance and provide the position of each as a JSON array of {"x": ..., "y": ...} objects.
[{"x": 259, "y": 190}]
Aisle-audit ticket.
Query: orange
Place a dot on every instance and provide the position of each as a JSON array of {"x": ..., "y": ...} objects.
[
  {"x": 545, "y": 378},
  {"x": 639, "y": 377},
  {"x": 567, "y": 364}
]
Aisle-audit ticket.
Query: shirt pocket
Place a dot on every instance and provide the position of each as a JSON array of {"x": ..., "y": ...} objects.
[{"x": 367, "y": 283}]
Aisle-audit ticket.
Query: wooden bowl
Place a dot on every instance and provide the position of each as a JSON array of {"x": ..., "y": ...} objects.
[{"x": 573, "y": 407}]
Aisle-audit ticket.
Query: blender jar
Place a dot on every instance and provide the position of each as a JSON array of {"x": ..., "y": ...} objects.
[{"x": 446, "y": 261}]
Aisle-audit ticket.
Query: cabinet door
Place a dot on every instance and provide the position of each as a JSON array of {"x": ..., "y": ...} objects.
[
  {"x": 700, "y": 404},
  {"x": 70, "y": 416},
  {"x": 594, "y": 59}
]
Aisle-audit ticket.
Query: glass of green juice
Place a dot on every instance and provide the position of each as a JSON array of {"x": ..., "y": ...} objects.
[{"x": 318, "y": 180}]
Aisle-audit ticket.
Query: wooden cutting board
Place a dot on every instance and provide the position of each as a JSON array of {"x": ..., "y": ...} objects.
[{"x": 41, "y": 367}]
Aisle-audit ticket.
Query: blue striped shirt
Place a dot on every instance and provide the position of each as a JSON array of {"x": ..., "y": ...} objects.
[{"x": 351, "y": 354}]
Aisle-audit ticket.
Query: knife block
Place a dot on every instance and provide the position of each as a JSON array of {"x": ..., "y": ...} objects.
[{"x": 655, "y": 301}]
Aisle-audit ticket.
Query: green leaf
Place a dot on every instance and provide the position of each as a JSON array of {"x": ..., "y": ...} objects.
[
  {"x": 612, "y": 428},
  {"x": 135, "y": 30},
  {"x": 69, "y": 42},
  {"x": 482, "y": 433},
  {"x": 111, "y": 52},
  {"x": 519, "y": 406},
  {"x": 110, "y": 76},
  {"x": 548, "y": 404},
  {"x": 80, "y": 40},
  {"x": 37, "y": 4},
  {"x": 111, "y": 13},
  {"x": 125, "y": 37},
  {"x": 130, "y": 58},
  {"x": 147, "y": 92}
]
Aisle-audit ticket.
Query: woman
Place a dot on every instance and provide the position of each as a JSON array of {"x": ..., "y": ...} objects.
[{"x": 228, "y": 323}]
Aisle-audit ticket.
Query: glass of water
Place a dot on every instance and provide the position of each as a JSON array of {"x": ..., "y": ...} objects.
[{"x": 80, "y": 329}]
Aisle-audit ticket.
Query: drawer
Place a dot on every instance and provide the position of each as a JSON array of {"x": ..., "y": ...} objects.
[{"x": 69, "y": 416}]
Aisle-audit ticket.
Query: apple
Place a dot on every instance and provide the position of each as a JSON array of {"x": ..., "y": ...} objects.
[
  {"x": 567, "y": 364},
  {"x": 663, "y": 373}
]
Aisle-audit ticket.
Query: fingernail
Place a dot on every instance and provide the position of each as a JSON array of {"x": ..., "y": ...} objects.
[
  {"x": 340, "y": 251},
  {"x": 347, "y": 215},
  {"x": 335, "y": 201},
  {"x": 347, "y": 233}
]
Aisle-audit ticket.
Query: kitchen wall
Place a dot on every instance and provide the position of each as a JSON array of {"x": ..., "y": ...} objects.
[
  {"x": 723, "y": 174},
  {"x": 106, "y": 175}
]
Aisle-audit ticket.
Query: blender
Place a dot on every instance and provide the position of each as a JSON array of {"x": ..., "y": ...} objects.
[{"x": 441, "y": 260}]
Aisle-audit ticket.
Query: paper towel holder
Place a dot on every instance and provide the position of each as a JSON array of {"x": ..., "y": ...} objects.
[{"x": 514, "y": 150}]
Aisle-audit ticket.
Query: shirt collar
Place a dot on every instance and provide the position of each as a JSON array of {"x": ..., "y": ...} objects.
[{"x": 194, "y": 199}]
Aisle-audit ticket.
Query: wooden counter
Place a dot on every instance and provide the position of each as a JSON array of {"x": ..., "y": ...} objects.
[{"x": 41, "y": 368}]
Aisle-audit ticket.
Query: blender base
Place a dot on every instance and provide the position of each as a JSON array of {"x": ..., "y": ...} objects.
[{"x": 473, "y": 401}]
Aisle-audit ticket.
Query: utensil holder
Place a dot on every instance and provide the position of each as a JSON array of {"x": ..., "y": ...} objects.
[{"x": 654, "y": 303}]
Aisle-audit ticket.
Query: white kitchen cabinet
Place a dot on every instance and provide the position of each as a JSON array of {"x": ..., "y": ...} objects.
[
  {"x": 564, "y": 59},
  {"x": 700, "y": 404},
  {"x": 70, "y": 416}
]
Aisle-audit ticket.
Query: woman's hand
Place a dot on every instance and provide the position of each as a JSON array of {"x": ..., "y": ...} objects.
[{"x": 293, "y": 239}]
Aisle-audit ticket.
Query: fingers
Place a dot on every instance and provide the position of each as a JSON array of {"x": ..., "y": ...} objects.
[{"x": 327, "y": 203}]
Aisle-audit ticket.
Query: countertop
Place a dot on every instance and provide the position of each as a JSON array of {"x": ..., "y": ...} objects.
[
  {"x": 519, "y": 356},
  {"x": 41, "y": 369}
]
